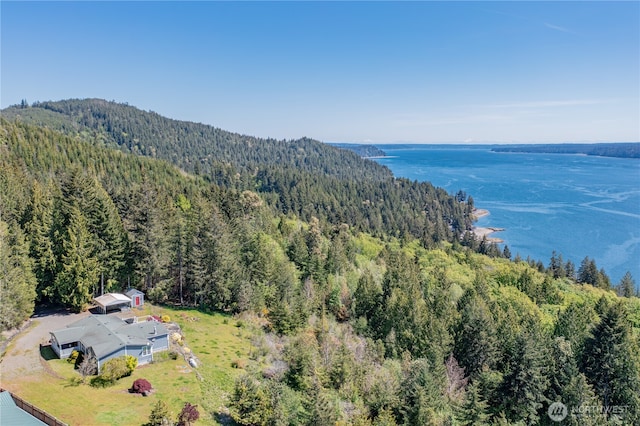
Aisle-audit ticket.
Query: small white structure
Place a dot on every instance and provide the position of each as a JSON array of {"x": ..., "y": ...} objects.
[
  {"x": 112, "y": 302},
  {"x": 136, "y": 296}
]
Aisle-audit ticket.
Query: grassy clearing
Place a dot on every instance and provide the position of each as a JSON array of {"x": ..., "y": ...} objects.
[{"x": 214, "y": 339}]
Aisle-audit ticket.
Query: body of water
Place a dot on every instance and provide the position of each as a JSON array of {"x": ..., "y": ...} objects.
[{"x": 577, "y": 205}]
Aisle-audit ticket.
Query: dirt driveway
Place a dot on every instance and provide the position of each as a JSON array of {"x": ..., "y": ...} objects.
[{"x": 22, "y": 357}]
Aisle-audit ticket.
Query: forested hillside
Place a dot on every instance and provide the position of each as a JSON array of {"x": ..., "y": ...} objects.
[
  {"x": 303, "y": 177},
  {"x": 407, "y": 327},
  {"x": 364, "y": 151}
]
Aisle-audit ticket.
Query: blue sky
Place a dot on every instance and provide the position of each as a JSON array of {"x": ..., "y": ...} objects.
[{"x": 376, "y": 72}]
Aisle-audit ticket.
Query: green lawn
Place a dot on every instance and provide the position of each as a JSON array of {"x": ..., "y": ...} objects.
[{"x": 214, "y": 338}]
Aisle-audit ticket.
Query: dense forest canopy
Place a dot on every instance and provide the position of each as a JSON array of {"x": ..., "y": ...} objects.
[
  {"x": 371, "y": 304},
  {"x": 303, "y": 177}
]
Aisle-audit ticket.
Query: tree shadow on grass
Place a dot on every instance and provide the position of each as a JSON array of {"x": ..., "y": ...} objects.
[
  {"x": 74, "y": 382},
  {"x": 224, "y": 419}
]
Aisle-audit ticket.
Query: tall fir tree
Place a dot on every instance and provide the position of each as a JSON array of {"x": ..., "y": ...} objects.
[
  {"x": 17, "y": 280},
  {"x": 143, "y": 217},
  {"x": 111, "y": 246},
  {"x": 526, "y": 381},
  {"x": 476, "y": 342},
  {"x": 40, "y": 229},
  {"x": 79, "y": 270},
  {"x": 611, "y": 361},
  {"x": 475, "y": 409},
  {"x": 568, "y": 385},
  {"x": 627, "y": 286},
  {"x": 588, "y": 272}
]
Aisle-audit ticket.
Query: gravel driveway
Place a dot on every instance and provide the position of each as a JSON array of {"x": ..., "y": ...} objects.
[{"x": 22, "y": 357}]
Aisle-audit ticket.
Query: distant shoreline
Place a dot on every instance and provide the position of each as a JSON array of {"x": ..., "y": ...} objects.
[
  {"x": 484, "y": 232},
  {"x": 616, "y": 150}
]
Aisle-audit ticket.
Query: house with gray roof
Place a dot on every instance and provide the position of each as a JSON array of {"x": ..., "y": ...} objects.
[{"x": 103, "y": 337}]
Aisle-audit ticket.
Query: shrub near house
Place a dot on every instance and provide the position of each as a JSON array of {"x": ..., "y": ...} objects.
[
  {"x": 141, "y": 386},
  {"x": 114, "y": 369}
]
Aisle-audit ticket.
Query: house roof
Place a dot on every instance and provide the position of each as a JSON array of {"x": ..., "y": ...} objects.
[
  {"x": 132, "y": 292},
  {"x": 106, "y": 334},
  {"x": 11, "y": 414},
  {"x": 112, "y": 299}
]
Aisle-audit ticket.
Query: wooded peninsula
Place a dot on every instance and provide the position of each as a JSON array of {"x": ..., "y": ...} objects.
[{"x": 620, "y": 150}]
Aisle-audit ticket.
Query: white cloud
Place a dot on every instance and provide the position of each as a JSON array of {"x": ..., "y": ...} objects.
[{"x": 558, "y": 28}]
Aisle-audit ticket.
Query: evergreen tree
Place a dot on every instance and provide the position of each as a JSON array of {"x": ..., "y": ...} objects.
[
  {"x": 322, "y": 407},
  {"x": 506, "y": 253},
  {"x": 611, "y": 362},
  {"x": 143, "y": 218},
  {"x": 195, "y": 274},
  {"x": 214, "y": 267},
  {"x": 250, "y": 404},
  {"x": 476, "y": 342},
  {"x": 556, "y": 266},
  {"x": 574, "y": 324},
  {"x": 181, "y": 234},
  {"x": 568, "y": 385},
  {"x": 40, "y": 229},
  {"x": 526, "y": 382},
  {"x": 570, "y": 269},
  {"x": 366, "y": 298},
  {"x": 111, "y": 240},
  {"x": 627, "y": 285},
  {"x": 588, "y": 272},
  {"x": 17, "y": 280},
  {"x": 475, "y": 409},
  {"x": 108, "y": 239},
  {"x": 603, "y": 280},
  {"x": 160, "y": 415},
  {"x": 79, "y": 270},
  {"x": 422, "y": 392}
]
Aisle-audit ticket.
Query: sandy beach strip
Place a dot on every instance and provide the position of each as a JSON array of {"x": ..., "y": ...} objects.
[
  {"x": 478, "y": 213},
  {"x": 484, "y": 232}
]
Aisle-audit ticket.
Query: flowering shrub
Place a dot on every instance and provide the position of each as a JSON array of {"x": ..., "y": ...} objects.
[
  {"x": 165, "y": 318},
  {"x": 132, "y": 363},
  {"x": 73, "y": 357}
]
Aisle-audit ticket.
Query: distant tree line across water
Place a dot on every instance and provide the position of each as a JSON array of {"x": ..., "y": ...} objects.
[{"x": 621, "y": 150}]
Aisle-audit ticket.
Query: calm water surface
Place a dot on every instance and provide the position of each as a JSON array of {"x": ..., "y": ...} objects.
[{"x": 575, "y": 204}]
